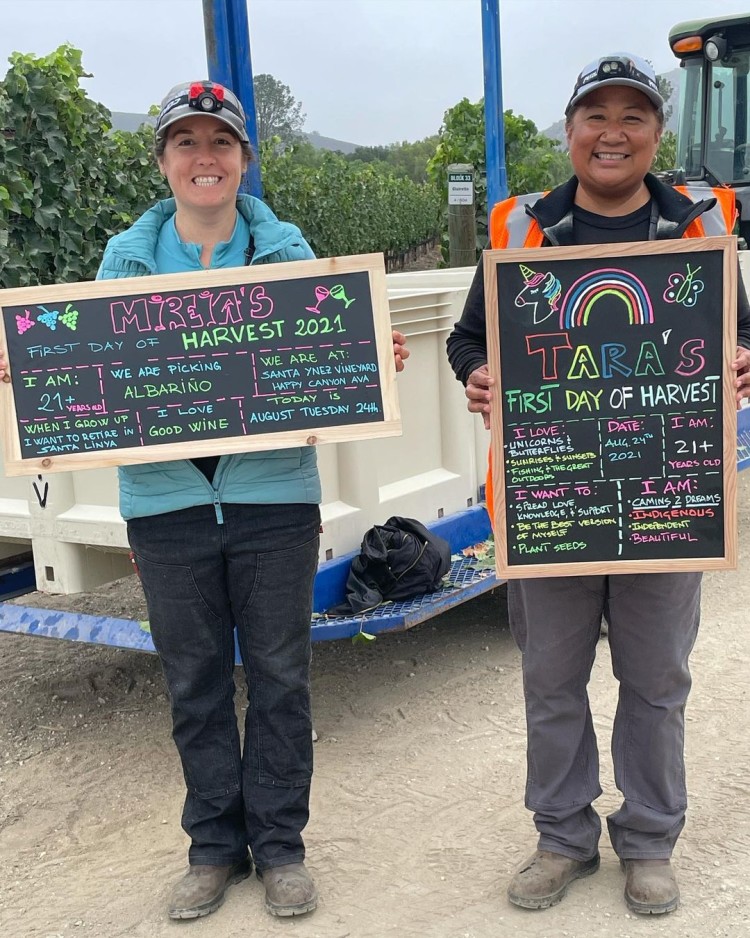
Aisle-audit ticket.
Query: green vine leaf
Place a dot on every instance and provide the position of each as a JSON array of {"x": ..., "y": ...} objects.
[
  {"x": 67, "y": 180},
  {"x": 362, "y": 638}
]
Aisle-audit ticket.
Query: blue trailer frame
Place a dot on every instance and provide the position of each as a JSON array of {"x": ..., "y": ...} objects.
[
  {"x": 467, "y": 578},
  {"x": 227, "y": 35}
]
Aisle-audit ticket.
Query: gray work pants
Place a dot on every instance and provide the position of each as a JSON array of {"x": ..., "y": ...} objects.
[{"x": 653, "y": 621}]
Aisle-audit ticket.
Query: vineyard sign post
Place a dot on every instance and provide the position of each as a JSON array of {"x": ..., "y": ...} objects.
[{"x": 462, "y": 238}]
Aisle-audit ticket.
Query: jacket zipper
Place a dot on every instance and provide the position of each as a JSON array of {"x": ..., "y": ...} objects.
[
  {"x": 414, "y": 562},
  {"x": 217, "y": 508},
  {"x": 215, "y": 496}
]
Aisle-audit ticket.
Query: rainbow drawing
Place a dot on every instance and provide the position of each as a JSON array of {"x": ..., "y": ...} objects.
[{"x": 609, "y": 281}]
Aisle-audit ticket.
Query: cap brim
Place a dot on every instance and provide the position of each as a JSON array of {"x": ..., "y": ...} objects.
[
  {"x": 654, "y": 97},
  {"x": 193, "y": 112}
]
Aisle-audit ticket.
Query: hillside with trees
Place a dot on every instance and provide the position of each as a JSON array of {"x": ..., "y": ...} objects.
[{"x": 68, "y": 180}]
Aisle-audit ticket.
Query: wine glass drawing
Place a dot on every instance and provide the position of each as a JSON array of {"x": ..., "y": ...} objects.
[
  {"x": 321, "y": 293},
  {"x": 339, "y": 293}
]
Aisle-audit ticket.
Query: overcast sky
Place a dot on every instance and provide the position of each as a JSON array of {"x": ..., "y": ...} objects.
[{"x": 366, "y": 71}]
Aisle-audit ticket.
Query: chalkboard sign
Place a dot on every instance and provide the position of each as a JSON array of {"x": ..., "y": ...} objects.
[
  {"x": 186, "y": 365},
  {"x": 613, "y": 420}
]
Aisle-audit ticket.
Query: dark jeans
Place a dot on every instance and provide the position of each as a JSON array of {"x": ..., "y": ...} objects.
[{"x": 202, "y": 579}]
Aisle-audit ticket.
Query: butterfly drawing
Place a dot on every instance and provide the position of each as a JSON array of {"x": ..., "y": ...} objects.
[{"x": 684, "y": 288}]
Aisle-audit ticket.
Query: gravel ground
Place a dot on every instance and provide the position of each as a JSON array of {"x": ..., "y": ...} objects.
[{"x": 417, "y": 815}]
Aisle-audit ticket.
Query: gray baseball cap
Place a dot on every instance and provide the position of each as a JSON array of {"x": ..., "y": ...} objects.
[
  {"x": 201, "y": 97},
  {"x": 620, "y": 68}
]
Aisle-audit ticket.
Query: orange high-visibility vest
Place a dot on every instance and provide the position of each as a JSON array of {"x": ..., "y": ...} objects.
[{"x": 511, "y": 227}]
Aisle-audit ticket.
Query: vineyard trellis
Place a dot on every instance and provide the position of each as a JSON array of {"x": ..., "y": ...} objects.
[{"x": 68, "y": 182}]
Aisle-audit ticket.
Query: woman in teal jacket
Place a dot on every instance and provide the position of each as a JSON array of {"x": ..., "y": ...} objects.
[
  {"x": 227, "y": 542},
  {"x": 274, "y": 477}
]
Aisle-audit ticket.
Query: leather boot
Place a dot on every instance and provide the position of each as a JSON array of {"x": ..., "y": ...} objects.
[
  {"x": 201, "y": 890},
  {"x": 289, "y": 889},
  {"x": 544, "y": 878},
  {"x": 650, "y": 886}
]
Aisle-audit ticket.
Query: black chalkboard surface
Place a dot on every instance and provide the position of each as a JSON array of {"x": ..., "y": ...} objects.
[
  {"x": 613, "y": 426},
  {"x": 187, "y": 365}
]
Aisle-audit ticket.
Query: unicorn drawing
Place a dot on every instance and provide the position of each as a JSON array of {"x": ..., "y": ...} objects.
[{"x": 539, "y": 287}]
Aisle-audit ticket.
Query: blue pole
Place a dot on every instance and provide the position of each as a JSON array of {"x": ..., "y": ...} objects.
[
  {"x": 494, "y": 130},
  {"x": 229, "y": 63}
]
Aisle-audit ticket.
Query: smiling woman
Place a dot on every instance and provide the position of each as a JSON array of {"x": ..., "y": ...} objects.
[
  {"x": 203, "y": 163},
  {"x": 613, "y": 136},
  {"x": 613, "y": 123},
  {"x": 203, "y": 151},
  {"x": 217, "y": 541},
  {"x": 226, "y": 544}
]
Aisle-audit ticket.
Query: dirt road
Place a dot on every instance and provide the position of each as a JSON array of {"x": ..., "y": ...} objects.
[{"x": 417, "y": 817}]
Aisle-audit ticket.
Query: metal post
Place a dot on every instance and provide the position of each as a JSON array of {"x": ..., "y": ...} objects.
[
  {"x": 494, "y": 130},
  {"x": 229, "y": 63}
]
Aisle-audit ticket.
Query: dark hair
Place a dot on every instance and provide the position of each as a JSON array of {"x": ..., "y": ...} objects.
[{"x": 247, "y": 150}]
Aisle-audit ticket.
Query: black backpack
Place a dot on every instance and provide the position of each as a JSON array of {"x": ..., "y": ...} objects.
[{"x": 398, "y": 560}]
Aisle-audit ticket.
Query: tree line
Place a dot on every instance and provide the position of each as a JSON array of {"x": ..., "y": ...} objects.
[{"x": 68, "y": 181}]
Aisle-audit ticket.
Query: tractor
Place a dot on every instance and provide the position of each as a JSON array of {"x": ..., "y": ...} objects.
[{"x": 713, "y": 147}]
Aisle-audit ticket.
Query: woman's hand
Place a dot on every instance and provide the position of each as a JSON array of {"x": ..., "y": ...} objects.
[
  {"x": 4, "y": 376},
  {"x": 400, "y": 351},
  {"x": 479, "y": 393},
  {"x": 741, "y": 365}
]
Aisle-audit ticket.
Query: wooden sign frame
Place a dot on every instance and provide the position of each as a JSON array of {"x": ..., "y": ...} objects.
[
  {"x": 388, "y": 423},
  {"x": 496, "y": 262}
]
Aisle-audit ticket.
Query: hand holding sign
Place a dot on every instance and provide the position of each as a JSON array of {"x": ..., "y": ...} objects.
[
  {"x": 741, "y": 365},
  {"x": 479, "y": 393},
  {"x": 400, "y": 351}
]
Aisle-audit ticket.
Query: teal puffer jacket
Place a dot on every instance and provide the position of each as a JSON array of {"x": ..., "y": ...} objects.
[{"x": 283, "y": 476}]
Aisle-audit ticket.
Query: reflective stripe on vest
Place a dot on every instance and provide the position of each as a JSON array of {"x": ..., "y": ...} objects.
[
  {"x": 720, "y": 220},
  {"x": 511, "y": 227}
]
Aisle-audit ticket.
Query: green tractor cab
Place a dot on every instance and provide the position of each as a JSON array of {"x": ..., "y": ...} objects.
[{"x": 714, "y": 112}]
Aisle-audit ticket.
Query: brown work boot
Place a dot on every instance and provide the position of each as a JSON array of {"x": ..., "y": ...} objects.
[
  {"x": 201, "y": 890},
  {"x": 289, "y": 889},
  {"x": 544, "y": 878},
  {"x": 650, "y": 886}
]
